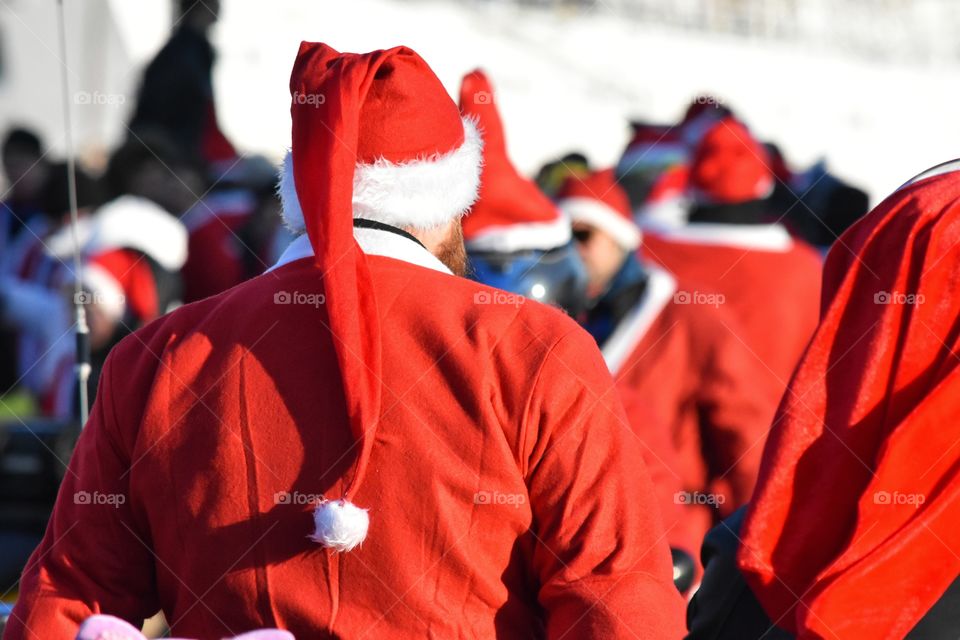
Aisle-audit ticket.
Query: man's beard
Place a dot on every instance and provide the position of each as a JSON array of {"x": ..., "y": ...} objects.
[{"x": 452, "y": 252}]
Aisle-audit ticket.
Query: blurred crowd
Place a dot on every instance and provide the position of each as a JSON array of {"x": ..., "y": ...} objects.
[
  {"x": 694, "y": 263},
  {"x": 177, "y": 215}
]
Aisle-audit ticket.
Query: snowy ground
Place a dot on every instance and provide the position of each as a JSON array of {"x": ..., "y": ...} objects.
[
  {"x": 571, "y": 82},
  {"x": 566, "y": 83}
]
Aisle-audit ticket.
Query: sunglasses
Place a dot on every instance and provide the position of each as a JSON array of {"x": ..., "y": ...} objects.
[{"x": 582, "y": 235}]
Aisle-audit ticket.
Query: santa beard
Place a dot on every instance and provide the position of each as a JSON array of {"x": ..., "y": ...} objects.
[{"x": 452, "y": 252}]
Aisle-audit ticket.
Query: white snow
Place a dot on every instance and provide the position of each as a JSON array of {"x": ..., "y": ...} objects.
[
  {"x": 572, "y": 82},
  {"x": 564, "y": 81}
]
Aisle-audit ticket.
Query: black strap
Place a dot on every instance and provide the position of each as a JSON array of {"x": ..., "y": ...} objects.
[{"x": 363, "y": 223}]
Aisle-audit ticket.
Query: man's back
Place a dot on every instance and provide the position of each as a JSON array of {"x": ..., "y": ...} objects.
[
  {"x": 774, "y": 292},
  {"x": 504, "y": 486}
]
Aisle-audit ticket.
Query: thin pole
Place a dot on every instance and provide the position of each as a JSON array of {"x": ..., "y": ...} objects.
[{"x": 83, "y": 330}]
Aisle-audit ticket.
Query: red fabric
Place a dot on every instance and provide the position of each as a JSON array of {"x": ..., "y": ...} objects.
[
  {"x": 215, "y": 260},
  {"x": 384, "y": 104},
  {"x": 671, "y": 184},
  {"x": 204, "y": 417},
  {"x": 713, "y": 398},
  {"x": 215, "y": 147},
  {"x": 134, "y": 276},
  {"x": 601, "y": 186},
  {"x": 829, "y": 548},
  {"x": 729, "y": 166},
  {"x": 506, "y": 197},
  {"x": 774, "y": 295}
]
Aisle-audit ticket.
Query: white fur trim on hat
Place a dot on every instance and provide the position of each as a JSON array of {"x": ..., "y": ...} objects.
[
  {"x": 422, "y": 193},
  {"x": 541, "y": 236},
  {"x": 132, "y": 222},
  {"x": 596, "y": 213}
]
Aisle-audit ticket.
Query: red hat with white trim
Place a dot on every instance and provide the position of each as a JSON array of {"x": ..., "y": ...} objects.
[
  {"x": 730, "y": 166},
  {"x": 599, "y": 201},
  {"x": 511, "y": 213},
  {"x": 375, "y": 136}
]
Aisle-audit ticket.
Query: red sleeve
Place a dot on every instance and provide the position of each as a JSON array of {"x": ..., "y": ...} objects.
[
  {"x": 93, "y": 557},
  {"x": 601, "y": 554}
]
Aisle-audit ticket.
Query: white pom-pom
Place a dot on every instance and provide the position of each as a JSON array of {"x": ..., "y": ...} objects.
[{"x": 340, "y": 524}]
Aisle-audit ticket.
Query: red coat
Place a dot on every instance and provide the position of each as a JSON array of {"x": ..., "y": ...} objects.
[
  {"x": 770, "y": 282},
  {"x": 685, "y": 364},
  {"x": 506, "y": 496},
  {"x": 854, "y": 531}
]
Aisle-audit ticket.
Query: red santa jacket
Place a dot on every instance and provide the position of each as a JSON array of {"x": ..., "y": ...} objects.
[
  {"x": 685, "y": 361},
  {"x": 854, "y": 531},
  {"x": 507, "y": 496},
  {"x": 768, "y": 281}
]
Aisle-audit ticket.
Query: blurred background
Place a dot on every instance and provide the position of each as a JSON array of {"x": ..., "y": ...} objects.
[{"x": 871, "y": 85}]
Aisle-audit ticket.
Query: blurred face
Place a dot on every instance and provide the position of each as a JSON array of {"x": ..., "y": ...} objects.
[{"x": 600, "y": 254}]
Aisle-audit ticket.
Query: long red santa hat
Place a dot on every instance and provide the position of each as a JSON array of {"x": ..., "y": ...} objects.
[
  {"x": 854, "y": 529},
  {"x": 375, "y": 136},
  {"x": 511, "y": 212}
]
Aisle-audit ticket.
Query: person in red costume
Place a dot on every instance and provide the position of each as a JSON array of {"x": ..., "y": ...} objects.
[
  {"x": 680, "y": 356},
  {"x": 770, "y": 281},
  {"x": 854, "y": 530},
  {"x": 353, "y": 444}
]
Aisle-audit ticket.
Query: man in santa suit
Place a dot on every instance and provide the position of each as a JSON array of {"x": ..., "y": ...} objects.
[
  {"x": 679, "y": 355},
  {"x": 770, "y": 281},
  {"x": 349, "y": 445}
]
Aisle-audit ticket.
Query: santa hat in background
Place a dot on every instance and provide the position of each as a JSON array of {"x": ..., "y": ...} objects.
[
  {"x": 511, "y": 213},
  {"x": 375, "y": 136},
  {"x": 730, "y": 166},
  {"x": 668, "y": 203},
  {"x": 652, "y": 148},
  {"x": 599, "y": 201}
]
